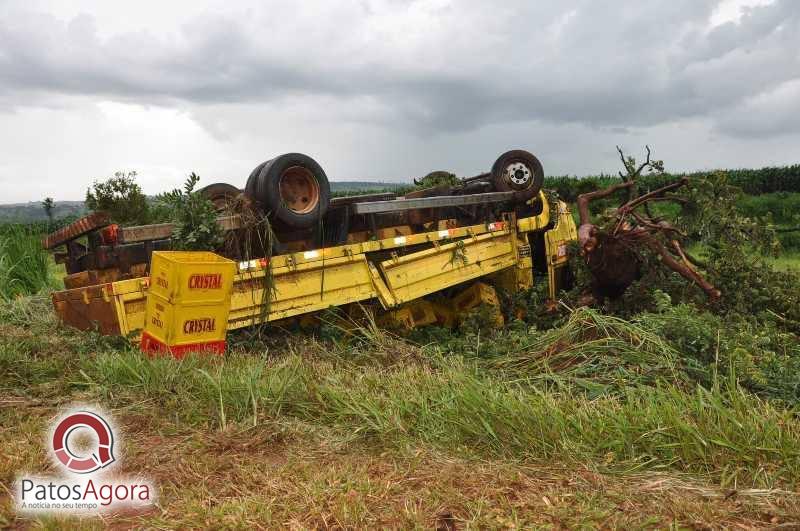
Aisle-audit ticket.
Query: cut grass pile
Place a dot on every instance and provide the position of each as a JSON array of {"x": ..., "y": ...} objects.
[{"x": 597, "y": 352}]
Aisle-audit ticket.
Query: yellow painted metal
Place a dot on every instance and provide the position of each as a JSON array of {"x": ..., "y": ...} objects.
[
  {"x": 420, "y": 312},
  {"x": 299, "y": 288},
  {"x": 535, "y": 223},
  {"x": 418, "y": 274},
  {"x": 385, "y": 295},
  {"x": 189, "y": 297},
  {"x": 411, "y": 315},
  {"x": 309, "y": 281},
  {"x": 475, "y": 295},
  {"x": 442, "y": 236},
  {"x": 191, "y": 276},
  {"x": 556, "y": 241}
]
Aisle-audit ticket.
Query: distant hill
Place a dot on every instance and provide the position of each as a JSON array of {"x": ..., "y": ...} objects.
[{"x": 33, "y": 211}]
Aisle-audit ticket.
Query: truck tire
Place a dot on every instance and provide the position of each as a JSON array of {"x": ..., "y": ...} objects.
[
  {"x": 292, "y": 188},
  {"x": 517, "y": 170},
  {"x": 221, "y": 194}
]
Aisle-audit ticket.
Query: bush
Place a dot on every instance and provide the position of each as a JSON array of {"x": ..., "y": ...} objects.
[
  {"x": 121, "y": 197},
  {"x": 437, "y": 178},
  {"x": 751, "y": 286},
  {"x": 763, "y": 359},
  {"x": 196, "y": 227}
]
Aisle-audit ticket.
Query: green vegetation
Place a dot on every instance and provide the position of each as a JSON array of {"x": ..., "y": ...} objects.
[
  {"x": 620, "y": 404},
  {"x": 120, "y": 196},
  {"x": 33, "y": 211},
  {"x": 25, "y": 267},
  {"x": 660, "y": 409},
  {"x": 437, "y": 178},
  {"x": 196, "y": 227},
  {"x": 751, "y": 182}
]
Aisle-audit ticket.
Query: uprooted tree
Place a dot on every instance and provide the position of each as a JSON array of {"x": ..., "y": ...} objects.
[{"x": 614, "y": 247}]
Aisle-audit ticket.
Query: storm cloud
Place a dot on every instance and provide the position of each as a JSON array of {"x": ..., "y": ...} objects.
[{"x": 417, "y": 76}]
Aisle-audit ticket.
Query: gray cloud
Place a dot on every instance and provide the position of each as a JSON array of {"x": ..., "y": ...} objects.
[
  {"x": 456, "y": 67},
  {"x": 386, "y": 89}
]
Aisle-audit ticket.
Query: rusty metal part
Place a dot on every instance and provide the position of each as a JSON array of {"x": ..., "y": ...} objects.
[
  {"x": 397, "y": 205},
  {"x": 76, "y": 229},
  {"x": 126, "y": 255},
  {"x": 88, "y": 308},
  {"x": 480, "y": 177},
  {"x": 103, "y": 276},
  {"x": 221, "y": 194},
  {"x": 299, "y": 190},
  {"x": 160, "y": 231}
]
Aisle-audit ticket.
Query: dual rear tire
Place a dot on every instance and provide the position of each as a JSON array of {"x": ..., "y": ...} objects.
[{"x": 292, "y": 188}]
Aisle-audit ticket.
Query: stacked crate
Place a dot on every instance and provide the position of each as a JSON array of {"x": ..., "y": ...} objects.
[{"x": 187, "y": 303}]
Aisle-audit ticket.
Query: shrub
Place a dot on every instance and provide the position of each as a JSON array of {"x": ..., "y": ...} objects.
[
  {"x": 763, "y": 358},
  {"x": 121, "y": 197},
  {"x": 196, "y": 227},
  {"x": 437, "y": 178}
]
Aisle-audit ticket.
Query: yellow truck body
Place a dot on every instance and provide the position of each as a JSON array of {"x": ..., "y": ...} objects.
[{"x": 395, "y": 272}]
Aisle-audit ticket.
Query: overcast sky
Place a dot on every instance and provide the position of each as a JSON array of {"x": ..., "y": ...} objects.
[{"x": 388, "y": 89}]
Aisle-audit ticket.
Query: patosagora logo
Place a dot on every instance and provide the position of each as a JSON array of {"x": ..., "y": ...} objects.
[
  {"x": 82, "y": 445},
  {"x": 104, "y": 451}
]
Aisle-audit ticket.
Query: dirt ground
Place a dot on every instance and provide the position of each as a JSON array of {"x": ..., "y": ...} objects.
[{"x": 299, "y": 477}]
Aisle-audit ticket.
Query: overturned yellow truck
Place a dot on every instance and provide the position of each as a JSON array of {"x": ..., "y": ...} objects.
[{"x": 428, "y": 267}]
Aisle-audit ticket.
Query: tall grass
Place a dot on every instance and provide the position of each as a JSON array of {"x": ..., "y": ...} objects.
[
  {"x": 459, "y": 406},
  {"x": 25, "y": 268}
]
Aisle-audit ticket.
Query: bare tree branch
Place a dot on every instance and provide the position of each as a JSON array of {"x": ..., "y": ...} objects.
[
  {"x": 585, "y": 199},
  {"x": 650, "y": 195}
]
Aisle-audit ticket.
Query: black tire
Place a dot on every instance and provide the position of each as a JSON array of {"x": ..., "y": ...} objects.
[
  {"x": 517, "y": 170},
  {"x": 221, "y": 194},
  {"x": 292, "y": 188},
  {"x": 250, "y": 186}
]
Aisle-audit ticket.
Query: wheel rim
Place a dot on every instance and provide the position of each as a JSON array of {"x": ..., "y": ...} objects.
[
  {"x": 518, "y": 175},
  {"x": 299, "y": 190}
]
